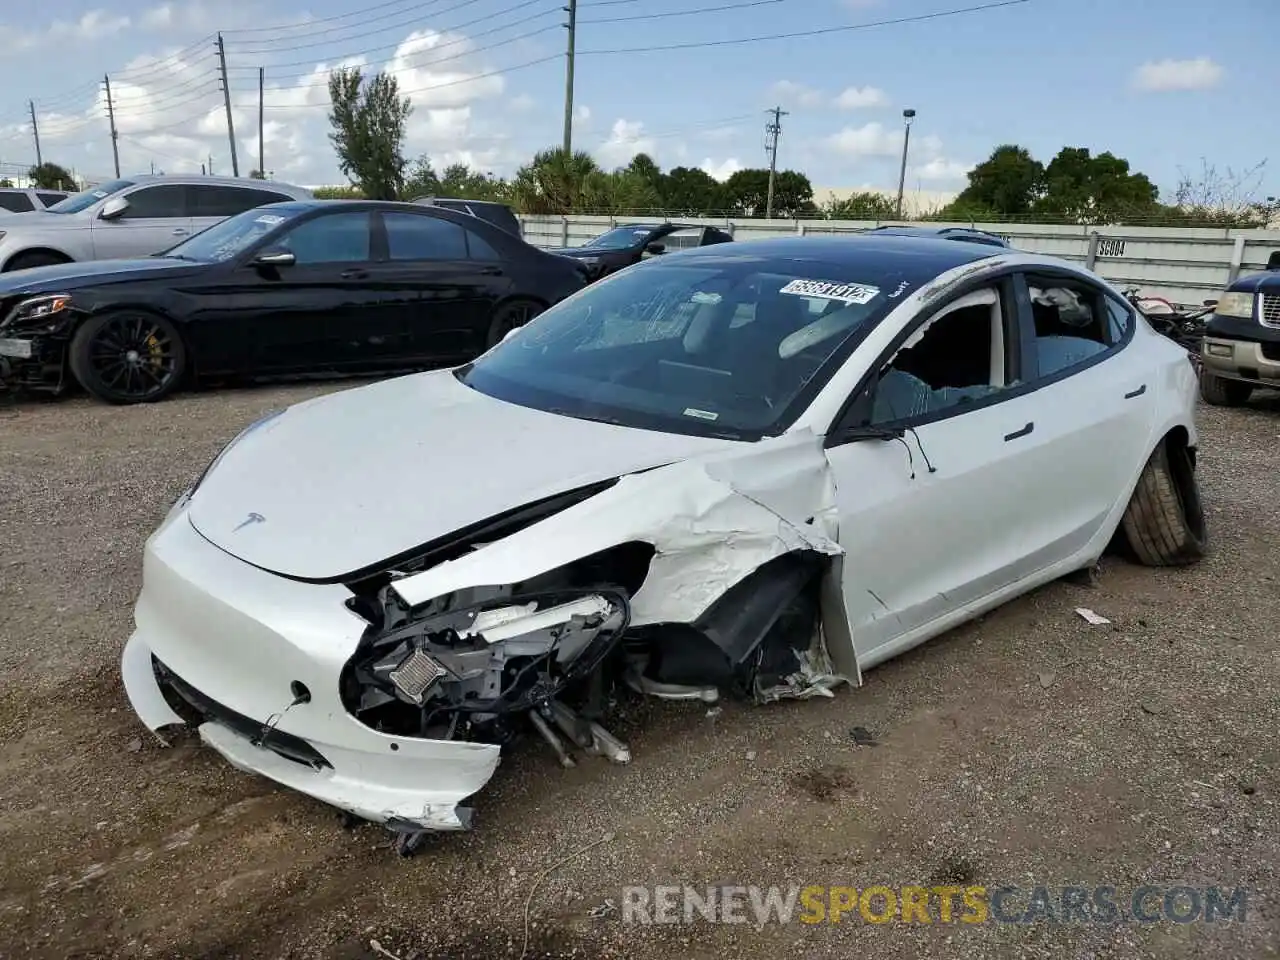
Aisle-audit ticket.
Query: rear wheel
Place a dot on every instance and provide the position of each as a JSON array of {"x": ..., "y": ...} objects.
[
  {"x": 509, "y": 316},
  {"x": 127, "y": 356},
  {"x": 26, "y": 261},
  {"x": 1221, "y": 392},
  {"x": 1164, "y": 522}
]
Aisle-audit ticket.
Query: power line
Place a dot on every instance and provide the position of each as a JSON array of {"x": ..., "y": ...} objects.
[
  {"x": 451, "y": 43},
  {"x": 367, "y": 33},
  {"x": 324, "y": 81},
  {"x": 685, "y": 13},
  {"x": 435, "y": 86},
  {"x": 276, "y": 28},
  {"x": 807, "y": 33}
]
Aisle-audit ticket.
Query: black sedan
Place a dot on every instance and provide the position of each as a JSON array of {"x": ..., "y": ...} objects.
[
  {"x": 286, "y": 289},
  {"x": 623, "y": 246}
]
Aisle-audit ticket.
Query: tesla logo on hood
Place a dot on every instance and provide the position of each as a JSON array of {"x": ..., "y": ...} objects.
[{"x": 250, "y": 519}]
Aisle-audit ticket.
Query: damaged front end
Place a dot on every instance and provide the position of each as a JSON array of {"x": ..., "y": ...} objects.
[{"x": 728, "y": 598}]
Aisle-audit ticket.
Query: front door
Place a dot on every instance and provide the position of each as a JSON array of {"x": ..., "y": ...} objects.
[
  {"x": 157, "y": 218},
  {"x": 939, "y": 515}
]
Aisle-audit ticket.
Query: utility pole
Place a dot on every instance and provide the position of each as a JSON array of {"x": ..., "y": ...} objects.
[
  {"x": 907, "y": 116},
  {"x": 35, "y": 132},
  {"x": 226, "y": 99},
  {"x": 111, "y": 117},
  {"x": 772, "y": 131},
  {"x": 572, "y": 25},
  {"x": 262, "y": 164}
]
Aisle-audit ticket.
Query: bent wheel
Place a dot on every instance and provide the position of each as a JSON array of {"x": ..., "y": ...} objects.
[
  {"x": 508, "y": 317},
  {"x": 127, "y": 357},
  {"x": 1221, "y": 392},
  {"x": 1164, "y": 522}
]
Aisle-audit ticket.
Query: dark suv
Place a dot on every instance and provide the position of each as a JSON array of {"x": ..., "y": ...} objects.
[
  {"x": 499, "y": 214},
  {"x": 1241, "y": 346}
]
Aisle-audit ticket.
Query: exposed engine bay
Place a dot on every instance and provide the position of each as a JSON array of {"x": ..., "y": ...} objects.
[{"x": 553, "y": 654}]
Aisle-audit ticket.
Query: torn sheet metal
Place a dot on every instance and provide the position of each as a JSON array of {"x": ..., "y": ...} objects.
[{"x": 712, "y": 522}]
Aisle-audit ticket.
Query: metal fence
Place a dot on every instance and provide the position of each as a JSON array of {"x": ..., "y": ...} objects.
[{"x": 1186, "y": 265}]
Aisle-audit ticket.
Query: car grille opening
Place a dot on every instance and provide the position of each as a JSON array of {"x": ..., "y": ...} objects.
[
  {"x": 1270, "y": 313},
  {"x": 277, "y": 741}
]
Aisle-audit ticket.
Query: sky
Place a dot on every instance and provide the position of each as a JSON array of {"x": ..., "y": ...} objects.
[{"x": 1170, "y": 86}]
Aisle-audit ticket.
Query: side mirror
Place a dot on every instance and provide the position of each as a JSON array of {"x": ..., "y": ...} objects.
[
  {"x": 509, "y": 334},
  {"x": 275, "y": 258},
  {"x": 114, "y": 208},
  {"x": 1210, "y": 303},
  {"x": 655, "y": 248}
]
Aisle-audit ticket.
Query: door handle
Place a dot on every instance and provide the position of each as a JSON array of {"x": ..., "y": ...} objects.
[
  {"x": 1019, "y": 433},
  {"x": 491, "y": 271},
  {"x": 353, "y": 274},
  {"x": 1136, "y": 393},
  {"x": 179, "y": 232}
]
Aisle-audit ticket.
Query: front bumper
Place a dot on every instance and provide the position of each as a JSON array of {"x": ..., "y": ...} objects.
[
  {"x": 33, "y": 362},
  {"x": 237, "y": 638},
  {"x": 1246, "y": 360}
]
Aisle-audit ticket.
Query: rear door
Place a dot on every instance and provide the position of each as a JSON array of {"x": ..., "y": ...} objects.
[
  {"x": 157, "y": 219},
  {"x": 211, "y": 203},
  {"x": 444, "y": 281}
]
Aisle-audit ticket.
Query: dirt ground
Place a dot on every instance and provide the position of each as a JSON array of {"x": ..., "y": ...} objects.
[{"x": 1026, "y": 748}]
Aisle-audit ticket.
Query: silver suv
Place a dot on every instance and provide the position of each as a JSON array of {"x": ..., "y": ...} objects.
[
  {"x": 134, "y": 217},
  {"x": 20, "y": 200}
]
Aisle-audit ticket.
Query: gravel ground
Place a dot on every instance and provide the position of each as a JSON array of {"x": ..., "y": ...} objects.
[{"x": 1028, "y": 747}]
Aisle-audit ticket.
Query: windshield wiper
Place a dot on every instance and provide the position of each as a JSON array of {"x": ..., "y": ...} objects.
[
  {"x": 582, "y": 416},
  {"x": 175, "y": 256}
]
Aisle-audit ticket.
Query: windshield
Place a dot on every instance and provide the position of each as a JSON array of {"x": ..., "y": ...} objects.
[
  {"x": 83, "y": 201},
  {"x": 225, "y": 239},
  {"x": 713, "y": 347},
  {"x": 620, "y": 238}
]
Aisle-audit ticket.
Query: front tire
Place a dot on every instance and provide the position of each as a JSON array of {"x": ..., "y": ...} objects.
[
  {"x": 127, "y": 356},
  {"x": 1221, "y": 392},
  {"x": 509, "y": 316},
  {"x": 1164, "y": 522}
]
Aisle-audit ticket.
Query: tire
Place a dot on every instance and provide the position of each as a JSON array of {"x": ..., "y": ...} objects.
[
  {"x": 1221, "y": 392},
  {"x": 127, "y": 356},
  {"x": 1164, "y": 522},
  {"x": 509, "y": 316},
  {"x": 26, "y": 261}
]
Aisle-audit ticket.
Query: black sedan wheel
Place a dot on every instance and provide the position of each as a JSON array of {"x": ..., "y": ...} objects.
[
  {"x": 127, "y": 357},
  {"x": 514, "y": 313}
]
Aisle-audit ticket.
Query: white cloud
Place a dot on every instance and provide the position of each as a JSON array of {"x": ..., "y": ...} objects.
[
  {"x": 92, "y": 25},
  {"x": 857, "y": 98},
  {"x": 723, "y": 170},
  {"x": 428, "y": 66},
  {"x": 1163, "y": 75},
  {"x": 582, "y": 114},
  {"x": 792, "y": 94},
  {"x": 941, "y": 170},
  {"x": 868, "y": 140},
  {"x": 522, "y": 103},
  {"x": 626, "y": 139}
]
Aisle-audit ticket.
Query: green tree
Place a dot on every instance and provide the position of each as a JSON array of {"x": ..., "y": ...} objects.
[
  {"x": 368, "y": 131},
  {"x": 746, "y": 192},
  {"x": 50, "y": 176},
  {"x": 257, "y": 175},
  {"x": 1003, "y": 186},
  {"x": 643, "y": 168},
  {"x": 554, "y": 182},
  {"x": 1080, "y": 188},
  {"x": 862, "y": 206},
  {"x": 5, "y": 182},
  {"x": 692, "y": 192}
]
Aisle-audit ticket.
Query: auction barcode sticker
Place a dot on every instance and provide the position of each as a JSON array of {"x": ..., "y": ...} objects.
[{"x": 828, "y": 290}]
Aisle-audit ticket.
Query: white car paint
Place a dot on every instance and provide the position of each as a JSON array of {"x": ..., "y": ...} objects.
[{"x": 922, "y": 534}]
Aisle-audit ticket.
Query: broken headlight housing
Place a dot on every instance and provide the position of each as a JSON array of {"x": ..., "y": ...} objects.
[
  {"x": 41, "y": 314},
  {"x": 480, "y": 656}
]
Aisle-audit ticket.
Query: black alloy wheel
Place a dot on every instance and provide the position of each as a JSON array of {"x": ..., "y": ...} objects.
[{"x": 127, "y": 357}]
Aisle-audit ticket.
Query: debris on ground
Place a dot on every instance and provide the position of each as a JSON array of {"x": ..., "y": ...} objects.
[{"x": 1096, "y": 619}]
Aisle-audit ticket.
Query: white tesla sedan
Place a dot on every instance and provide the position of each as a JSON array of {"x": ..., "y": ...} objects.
[{"x": 755, "y": 469}]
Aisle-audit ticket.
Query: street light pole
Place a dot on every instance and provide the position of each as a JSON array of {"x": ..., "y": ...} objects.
[{"x": 907, "y": 116}]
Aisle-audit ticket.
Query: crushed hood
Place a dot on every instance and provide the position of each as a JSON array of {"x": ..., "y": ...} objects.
[{"x": 346, "y": 481}]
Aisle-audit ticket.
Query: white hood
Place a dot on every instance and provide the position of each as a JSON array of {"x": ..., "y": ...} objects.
[{"x": 351, "y": 479}]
